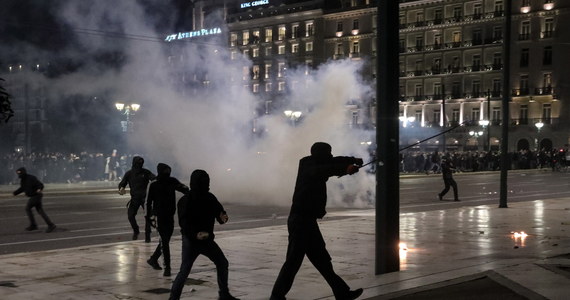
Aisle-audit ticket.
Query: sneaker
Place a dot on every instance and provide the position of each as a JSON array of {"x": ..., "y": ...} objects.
[
  {"x": 154, "y": 264},
  {"x": 50, "y": 228},
  {"x": 147, "y": 239},
  {"x": 166, "y": 272},
  {"x": 32, "y": 227},
  {"x": 456, "y": 200},
  {"x": 440, "y": 197},
  {"x": 135, "y": 236},
  {"x": 354, "y": 294}
]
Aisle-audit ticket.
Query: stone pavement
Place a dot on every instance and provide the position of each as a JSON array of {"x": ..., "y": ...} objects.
[{"x": 447, "y": 249}]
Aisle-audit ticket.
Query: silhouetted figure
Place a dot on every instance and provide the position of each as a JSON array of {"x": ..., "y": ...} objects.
[
  {"x": 33, "y": 188},
  {"x": 161, "y": 202},
  {"x": 138, "y": 179},
  {"x": 197, "y": 212},
  {"x": 447, "y": 168},
  {"x": 305, "y": 238}
]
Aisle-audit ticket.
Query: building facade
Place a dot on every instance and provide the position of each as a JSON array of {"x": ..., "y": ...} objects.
[{"x": 451, "y": 63}]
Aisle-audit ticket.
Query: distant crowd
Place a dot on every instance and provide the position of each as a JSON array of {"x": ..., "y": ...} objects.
[
  {"x": 65, "y": 167},
  {"x": 71, "y": 167},
  {"x": 474, "y": 161}
]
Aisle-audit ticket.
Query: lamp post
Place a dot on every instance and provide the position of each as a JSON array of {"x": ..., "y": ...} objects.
[
  {"x": 476, "y": 134},
  {"x": 294, "y": 116},
  {"x": 127, "y": 110},
  {"x": 539, "y": 126},
  {"x": 487, "y": 143}
]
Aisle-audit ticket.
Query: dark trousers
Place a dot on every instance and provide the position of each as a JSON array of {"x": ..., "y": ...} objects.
[
  {"x": 305, "y": 238},
  {"x": 165, "y": 230},
  {"x": 133, "y": 208},
  {"x": 449, "y": 182},
  {"x": 36, "y": 201},
  {"x": 190, "y": 251}
]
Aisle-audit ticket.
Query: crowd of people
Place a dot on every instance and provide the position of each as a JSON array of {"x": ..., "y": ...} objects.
[
  {"x": 474, "y": 161},
  {"x": 71, "y": 167},
  {"x": 65, "y": 167}
]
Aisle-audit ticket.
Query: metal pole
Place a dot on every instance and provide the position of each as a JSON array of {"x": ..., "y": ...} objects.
[
  {"x": 27, "y": 140},
  {"x": 444, "y": 121},
  {"x": 489, "y": 119},
  {"x": 387, "y": 140},
  {"x": 505, "y": 161}
]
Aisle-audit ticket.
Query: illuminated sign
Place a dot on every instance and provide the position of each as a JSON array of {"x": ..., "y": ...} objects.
[
  {"x": 254, "y": 3},
  {"x": 192, "y": 34}
]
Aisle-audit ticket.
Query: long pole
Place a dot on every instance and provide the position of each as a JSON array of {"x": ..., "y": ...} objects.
[
  {"x": 488, "y": 148},
  {"x": 387, "y": 140},
  {"x": 506, "y": 97}
]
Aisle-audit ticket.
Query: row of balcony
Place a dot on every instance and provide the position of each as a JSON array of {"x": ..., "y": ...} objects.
[
  {"x": 452, "y": 20},
  {"x": 451, "y": 70},
  {"x": 472, "y": 123},
  {"x": 471, "y": 95},
  {"x": 451, "y": 45}
]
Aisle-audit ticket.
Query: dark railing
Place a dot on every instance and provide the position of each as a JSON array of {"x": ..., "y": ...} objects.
[
  {"x": 450, "y": 70},
  {"x": 547, "y": 34},
  {"x": 452, "y": 19},
  {"x": 533, "y": 121},
  {"x": 524, "y": 36}
]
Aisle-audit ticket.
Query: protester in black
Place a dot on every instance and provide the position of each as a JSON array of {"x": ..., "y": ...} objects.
[
  {"x": 197, "y": 212},
  {"x": 138, "y": 179},
  {"x": 33, "y": 188},
  {"x": 309, "y": 202},
  {"x": 161, "y": 202},
  {"x": 447, "y": 168}
]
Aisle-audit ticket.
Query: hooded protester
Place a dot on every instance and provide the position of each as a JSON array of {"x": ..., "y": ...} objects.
[
  {"x": 309, "y": 202},
  {"x": 161, "y": 202},
  {"x": 197, "y": 212},
  {"x": 138, "y": 179},
  {"x": 33, "y": 188},
  {"x": 447, "y": 169}
]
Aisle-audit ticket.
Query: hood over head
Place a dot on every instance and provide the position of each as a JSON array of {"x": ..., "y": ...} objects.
[
  {"x": 163, "y": 170},
  {"x": 321, "y": 151},
  {"x": 21, "y": 172},
  {"x": 138, "y": 162},
  {"x": 200, "y": 181}
]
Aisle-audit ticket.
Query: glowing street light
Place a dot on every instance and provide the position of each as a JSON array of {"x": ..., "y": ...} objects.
[
  {"x": 294, "y": 116},
  {"x": 127, "y": 110},
  {"x": 539, "y": 126}
]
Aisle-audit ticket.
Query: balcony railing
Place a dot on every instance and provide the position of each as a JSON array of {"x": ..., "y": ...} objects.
[
  {"x": 450, "y": 70},
  {"x": 451, "y": 20},
  {"x": 524, "y": 36},
  {"x": 547, "y": 34}
]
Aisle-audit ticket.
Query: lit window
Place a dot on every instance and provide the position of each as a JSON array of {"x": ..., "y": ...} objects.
[
  {"x": 255, "y": 71},
  {"x": 245, "y": 37},
  {"x": 309, "y": 46},
  {"x": 268, "y": 87},
  {"x": 295, "y": 31},
  {"x": 309, "y": 28},
  {"x": 282, "y": 32},
  {"x": 281, "y": 86},
  {"x": 268, "y": 51},
  {"x": 255, "y": 52},
  {"x": 281, "y": 69},
  {"x": 268, "y": 35},
  {"x": 281, "y": 49},
  {"x": 267, "y": 71},
  {"x": 256, "y": 88},
  {"x": 233, "y": 39},
  {"x": 294, "y": 48}
]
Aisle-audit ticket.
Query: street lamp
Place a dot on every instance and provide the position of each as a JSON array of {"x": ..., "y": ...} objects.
[
  {"x": 539, "y": 126},
  {"x": 487, "y": 143},
  {"x": 476, "y": 134},
  {"x": 127, "y": 110},
  {"x": 293, "y": 116}
]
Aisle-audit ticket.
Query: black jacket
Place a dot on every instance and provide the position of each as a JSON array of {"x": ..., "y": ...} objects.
[
  {"x": 29, "y": 184},
  {"x": 310, "y": 196},
  {"x": 161, "y": 199},
  {"x": 199, "y": 209},
  {"x": 447, "y": 170}
]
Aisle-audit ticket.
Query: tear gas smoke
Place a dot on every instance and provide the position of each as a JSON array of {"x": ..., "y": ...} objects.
[{"x": 211, "y": 128}]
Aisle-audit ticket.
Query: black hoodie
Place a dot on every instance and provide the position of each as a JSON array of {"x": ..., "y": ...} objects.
[
  {"x": 29, "y": 184},
  {"x": 137, "y": 178},
  {"x": 162, "y": 193},
  {"x": 198, "y": 210}
]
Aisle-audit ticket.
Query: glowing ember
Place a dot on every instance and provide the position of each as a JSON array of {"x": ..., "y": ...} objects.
[
  {"x": 521, "y": 234},
  {"x": 403, "y": 247}
]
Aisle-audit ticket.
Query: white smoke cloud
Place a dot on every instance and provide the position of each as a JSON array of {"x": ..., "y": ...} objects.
[{"x": 212, "y": 129}]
